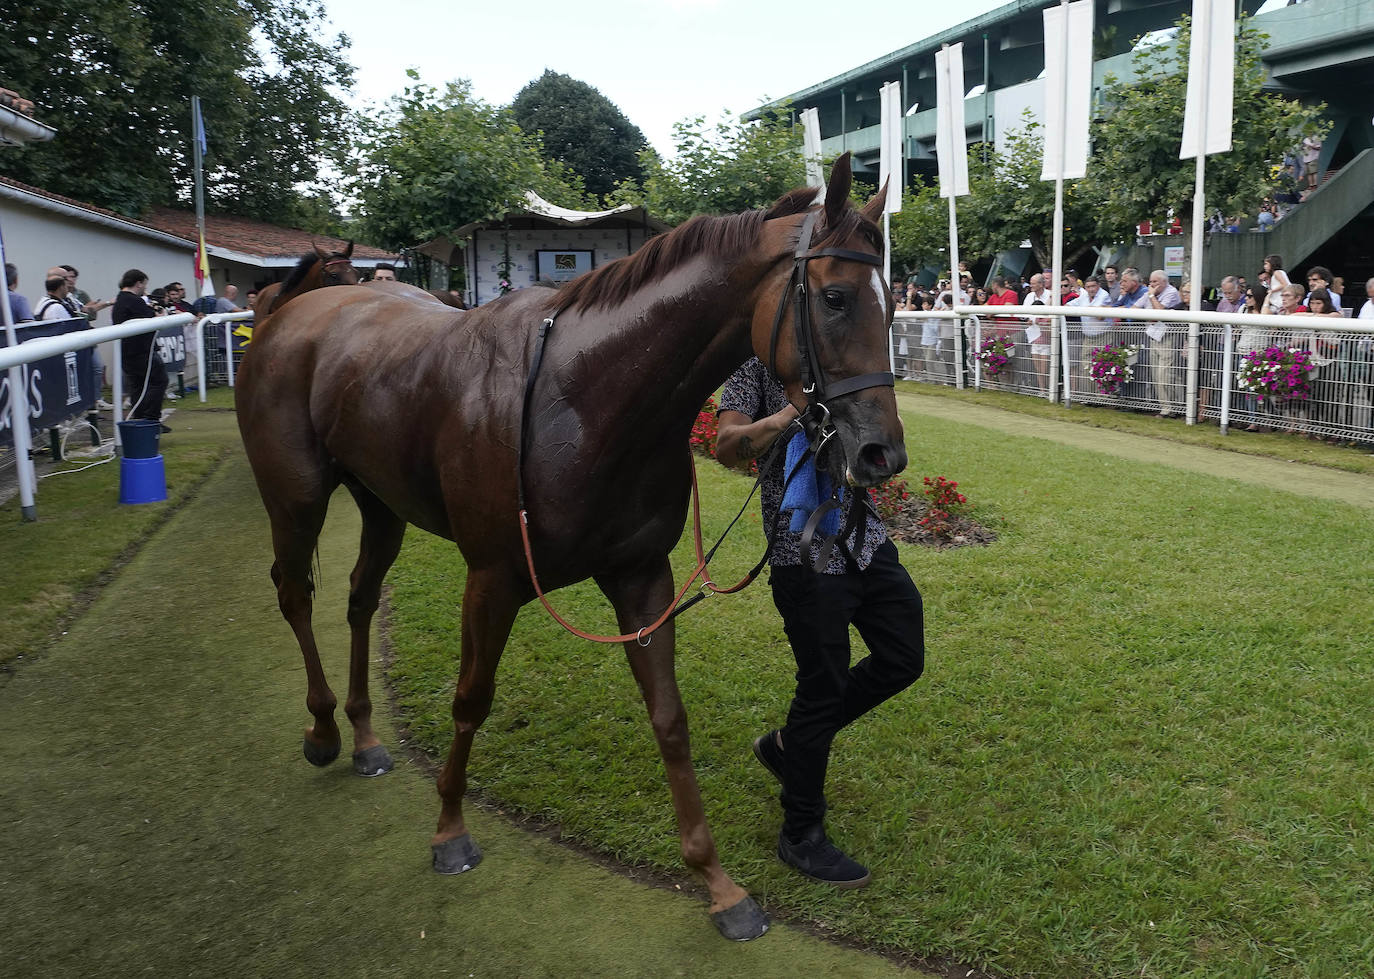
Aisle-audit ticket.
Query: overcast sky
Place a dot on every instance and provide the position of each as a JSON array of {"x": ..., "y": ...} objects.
[{"x": 660, "y": 61}]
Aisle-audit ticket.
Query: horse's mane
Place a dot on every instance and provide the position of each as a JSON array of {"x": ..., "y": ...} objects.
[
  {"x": 724, "y": 237},
  {"x": 299, "y": 273}
]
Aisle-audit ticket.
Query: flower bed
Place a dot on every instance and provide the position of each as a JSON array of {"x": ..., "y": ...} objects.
[
  {"x": 939, "y": 516},
  {"x": 705, "y": 428}
]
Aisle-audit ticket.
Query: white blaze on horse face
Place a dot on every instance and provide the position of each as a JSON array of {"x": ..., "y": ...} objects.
[{"x": 875, "y": 281}]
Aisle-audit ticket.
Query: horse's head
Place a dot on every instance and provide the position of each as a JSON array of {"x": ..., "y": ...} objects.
[
  {"x": 336, "y": 269},
  {"x": 824, "y": 329}
]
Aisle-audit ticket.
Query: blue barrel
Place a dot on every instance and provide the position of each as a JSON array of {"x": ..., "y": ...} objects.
[
  {"x": 140, "y": 438},
  {"x": 142, "y": 480}
]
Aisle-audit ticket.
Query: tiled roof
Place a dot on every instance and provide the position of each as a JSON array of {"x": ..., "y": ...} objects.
[
  {"x": 17, "y": 102},
  {"x": 244, "y": 235},
  {"x": 254, "y": 237}
]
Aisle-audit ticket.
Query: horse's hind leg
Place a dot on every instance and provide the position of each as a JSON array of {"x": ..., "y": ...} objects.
[
  {"x": 639, "y": 599},
  {"x": 295, "y": 532},
  {"x": 490, "y": 603},
  {"x": 381, "y": 542}
]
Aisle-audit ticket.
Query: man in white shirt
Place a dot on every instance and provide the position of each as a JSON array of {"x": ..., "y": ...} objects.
[
  {"x": 1094, "y": 332},
  {"x": 1319, "y": 277},
  {"x": 1164, "y": 339},
  {"x": 1367, "y": 310}
]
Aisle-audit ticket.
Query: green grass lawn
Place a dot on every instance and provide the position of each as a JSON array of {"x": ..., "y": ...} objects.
[
  {"x": 158, "y": 817},
  {"x": 1141, "y": 747},
  {"x": 83, "y": 531}
]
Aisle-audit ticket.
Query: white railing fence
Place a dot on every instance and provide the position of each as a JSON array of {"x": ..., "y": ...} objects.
[
  {"x": 1185, "y": 364},
  {"x": 219, "y": 327},
  {"x": 15, "y": 357}
]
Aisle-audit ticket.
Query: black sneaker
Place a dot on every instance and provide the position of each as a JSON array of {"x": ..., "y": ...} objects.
[
  {"x": 816, "y": 857},
  {"x": 769, "y": 754}
]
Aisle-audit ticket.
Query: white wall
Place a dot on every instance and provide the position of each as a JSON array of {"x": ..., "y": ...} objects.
[
  {"x": 484, "y": 261},
  {"x": 37, "y": 239}
]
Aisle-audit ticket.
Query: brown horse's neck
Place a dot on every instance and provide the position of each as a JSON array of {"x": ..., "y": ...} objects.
[{"x": 680, "y": 343}]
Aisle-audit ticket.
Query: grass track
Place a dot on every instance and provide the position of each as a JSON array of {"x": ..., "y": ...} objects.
[
  {"x": 1142, "y": 746},
  {"x": 158, "y": 816}
]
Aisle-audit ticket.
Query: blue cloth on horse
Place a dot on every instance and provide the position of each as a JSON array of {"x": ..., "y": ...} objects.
[{"x": 807, "y": 490}]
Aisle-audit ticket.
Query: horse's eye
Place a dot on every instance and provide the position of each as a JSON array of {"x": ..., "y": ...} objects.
[{"x": 833, "y": 298}]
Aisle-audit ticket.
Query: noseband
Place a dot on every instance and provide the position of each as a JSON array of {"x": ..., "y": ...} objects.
[
  {"x": 325, "y": 266},
  {"x": 816, "y": 419}
]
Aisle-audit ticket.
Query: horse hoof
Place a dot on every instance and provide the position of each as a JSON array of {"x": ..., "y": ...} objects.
[
  {"x": 456, "y": 855},
  {"x": 371, "y": 762},
  {"x": 319, "y": 755},
  {"x": 742, "y": 923}
]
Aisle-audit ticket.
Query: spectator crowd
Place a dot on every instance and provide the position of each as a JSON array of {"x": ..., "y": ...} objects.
[
  {"x": 145, "y": 378},
  {"x": 1339, "y": 397}
]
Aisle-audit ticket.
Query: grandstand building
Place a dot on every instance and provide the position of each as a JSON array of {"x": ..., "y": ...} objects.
[{"x": 1319, "y": 51}]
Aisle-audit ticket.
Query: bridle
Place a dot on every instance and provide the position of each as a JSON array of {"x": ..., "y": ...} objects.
[
  {"x": 815, "y": 422},
  {"x": 325, "y": 266},
  {"x": 816, "y": 419}
]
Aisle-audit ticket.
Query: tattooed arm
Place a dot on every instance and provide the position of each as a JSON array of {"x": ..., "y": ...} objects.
[{"x": 740, "y": 439}]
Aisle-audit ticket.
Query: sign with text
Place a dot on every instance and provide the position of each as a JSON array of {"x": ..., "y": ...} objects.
[
  {"x": 58, "y": 387},
  {"x": 1173, "y": 261}
]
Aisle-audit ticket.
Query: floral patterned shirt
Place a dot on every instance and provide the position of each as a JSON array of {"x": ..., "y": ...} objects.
[{"x": 752, "y": 391}]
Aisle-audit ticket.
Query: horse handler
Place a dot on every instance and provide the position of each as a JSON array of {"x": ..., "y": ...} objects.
[{"x": 863, "y": 584}]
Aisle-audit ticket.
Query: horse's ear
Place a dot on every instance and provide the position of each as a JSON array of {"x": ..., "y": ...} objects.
[
  {"x": 320, "y": 253},
  {"x": 873, "y": 210},
  {"x": 837, "y": 191},
  {"x": 348, "y": 252}
]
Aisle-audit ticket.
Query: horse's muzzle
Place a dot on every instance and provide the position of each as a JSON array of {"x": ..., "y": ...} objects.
[{"x": 875, "y": 463}]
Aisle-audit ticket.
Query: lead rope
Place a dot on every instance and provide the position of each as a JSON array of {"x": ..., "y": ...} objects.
[{"x": 677, "y": 606}]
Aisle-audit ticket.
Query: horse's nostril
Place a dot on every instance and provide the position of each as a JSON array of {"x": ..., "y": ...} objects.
[{"x": 875, "y": 457}]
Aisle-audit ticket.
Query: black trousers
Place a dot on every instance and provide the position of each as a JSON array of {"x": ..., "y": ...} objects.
[
  {"x": 817, "y": 609},
  {"x": 148, "y": 407}
]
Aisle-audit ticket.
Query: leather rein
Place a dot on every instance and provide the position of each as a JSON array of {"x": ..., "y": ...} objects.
[{"x": 815, "y": 422}]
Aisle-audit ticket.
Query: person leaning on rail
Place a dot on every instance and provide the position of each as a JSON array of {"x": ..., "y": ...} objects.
[
  {"x": 863, "y": 584},
  {"x": 145, "y": 377}
]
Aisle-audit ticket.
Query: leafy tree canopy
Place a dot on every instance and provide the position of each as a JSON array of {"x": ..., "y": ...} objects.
[
  {"x": 729, "y": 167},
  {"x": 582, "y": 129},
  {"x": 1135, "y": 173},
  {"x": 436, "y": 161},
  {"x": 115, "y": 78},
  {"x": 1008, "y": 203}
]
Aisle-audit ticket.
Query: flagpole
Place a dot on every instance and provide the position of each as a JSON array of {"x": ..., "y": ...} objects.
[
  {"x": 1057, "y": 261},
  {"x": 19, "y": 414},
  {"x": 1202, "y": 29},
  {"x": 197, "y": 134},
  {"x": 887, "y": 280}
]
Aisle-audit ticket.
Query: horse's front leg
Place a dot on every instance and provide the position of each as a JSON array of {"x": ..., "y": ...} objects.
[
  {"x": 639, "y": 598},
  {"x": 490, "y": 603}
]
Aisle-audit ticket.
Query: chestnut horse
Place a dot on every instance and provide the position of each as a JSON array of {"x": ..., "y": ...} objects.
[
  {"x": 315, "y": 270},
  {"x": 422, "y": 412}
]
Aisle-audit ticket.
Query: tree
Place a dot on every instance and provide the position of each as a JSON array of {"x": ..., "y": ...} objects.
[
  {"x": 115, "y": 77},
  {"x": 920, "y": 230},
  {"x": 1135, "y": 173},
  {"x": 729, "y": 167},
  {"x": 1008, "y": 203},
  {"x": 582, "y": 129},
  {"x": 435, "y": 162}
]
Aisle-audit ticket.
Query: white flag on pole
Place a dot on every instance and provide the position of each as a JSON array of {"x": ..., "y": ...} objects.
[
  {"x": 951, "y": 144},
  {"x": 890, "y": 157},
  {"x": 1068, "y": 89},
  {"x": 1211, "y": 78},
  {"x": 811, "y": 147}
]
